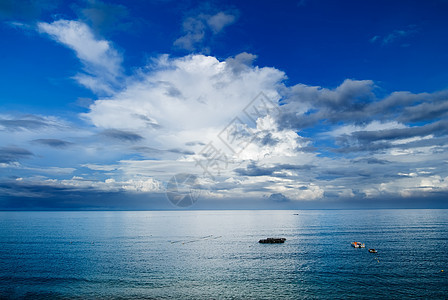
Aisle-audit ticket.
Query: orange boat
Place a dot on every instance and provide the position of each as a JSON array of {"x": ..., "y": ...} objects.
[{"x": 358, "y": 245}]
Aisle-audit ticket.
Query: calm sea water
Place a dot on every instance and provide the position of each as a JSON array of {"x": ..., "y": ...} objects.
[{"x": 216, "y": 254}]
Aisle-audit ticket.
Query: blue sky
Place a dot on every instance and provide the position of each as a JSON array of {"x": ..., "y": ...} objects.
[{"x": 103, "y": 102}]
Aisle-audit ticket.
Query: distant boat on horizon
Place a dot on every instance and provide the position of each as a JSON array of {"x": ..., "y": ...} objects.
[{"x": 272, "y": 241}]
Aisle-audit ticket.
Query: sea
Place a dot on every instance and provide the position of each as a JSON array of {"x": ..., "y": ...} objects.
[{"x": 216, "y": 254}]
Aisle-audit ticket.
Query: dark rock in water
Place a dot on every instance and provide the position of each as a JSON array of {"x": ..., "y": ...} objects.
[{"x": 272, "y": 241}]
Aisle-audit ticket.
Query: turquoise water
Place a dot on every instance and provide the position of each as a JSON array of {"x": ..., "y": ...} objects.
[{"x": 216, "y": 254}]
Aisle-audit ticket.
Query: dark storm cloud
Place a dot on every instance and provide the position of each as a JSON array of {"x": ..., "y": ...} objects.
[
  {"x": 55, "y": 143},
  {"x": 125, "y": 136},
  {"x": 12, "y": 154}
]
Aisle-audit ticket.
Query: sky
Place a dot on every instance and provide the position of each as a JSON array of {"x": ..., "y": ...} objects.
[{"x": 159, "y": 104}]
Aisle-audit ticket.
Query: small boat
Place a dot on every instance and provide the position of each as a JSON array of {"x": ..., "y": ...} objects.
[
  {"x": 358, "y": 245},
  {"x": 272, "y": 241},
  {"x": 373, "y": 251}
]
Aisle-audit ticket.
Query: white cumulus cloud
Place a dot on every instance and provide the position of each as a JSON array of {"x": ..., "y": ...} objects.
[{"x": 183, "y": 99}]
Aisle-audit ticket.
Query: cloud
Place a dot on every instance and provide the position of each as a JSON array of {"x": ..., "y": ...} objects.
[
  {"x": 395, "y": 35},
  {"x": 278, "y": 197},
  {"x": 100, "y": 167},
  {"x": 374, "y": 38},
  {"x": 32, "y": 195},
  {"x": 253, "y": 170},
  {"x": 413, "y": 185},
  {"x": 360, "y": 121},
  {"x": 194, "y": 143},
  {"x": 372, "y": 160},
  {"x": 197, "y": 29},
  {"x": 368, "y": 127},
  {"x": 219, "y": 21},
  {"x": 167, "y": 116},
  {"x": 305, "y": 106},
  {"x": 211, "y": 96},
  {"x": 153, "y": 151},
  {"x": 121, "y": 135},
  {"x": 403, "y": 137},
  {"x": 194, "y": 30},
  {"x": 28, "y": 122},
  {"x": 21, "y": 124},
  {"x": 55, "y": 143},
  {"x": 426, "y": 111},
  {"x": 241, "y": 62},
  {"x": 102, "y": 63},
  {"x": 13, "y": 154},
  {"x": 180, "y": 99},
  {"x": 17, "y": 168},
  {"x": 47, "y": 188},
  {"x": 437, "y": 128},
  {"x": 140, "y": 184}
]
